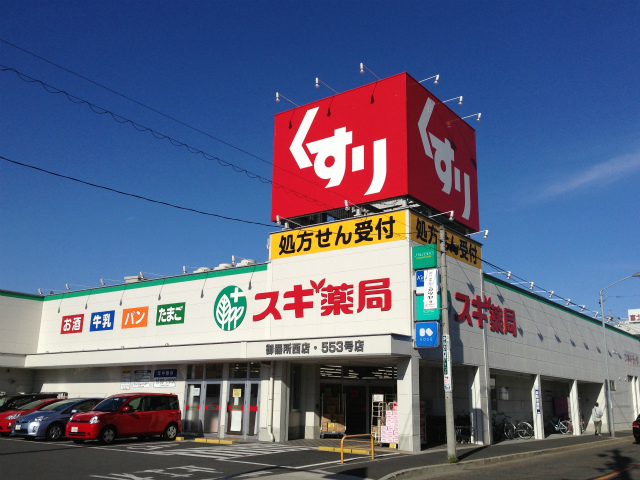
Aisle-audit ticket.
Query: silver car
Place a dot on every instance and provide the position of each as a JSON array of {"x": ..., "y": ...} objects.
[{"x": 50, "y": 421}]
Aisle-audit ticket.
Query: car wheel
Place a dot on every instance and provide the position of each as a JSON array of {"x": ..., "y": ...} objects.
[
  {"x": 107, "y": 435},
  {"x": 55, "y": 432},
  {"x": 171, "y": 432}
]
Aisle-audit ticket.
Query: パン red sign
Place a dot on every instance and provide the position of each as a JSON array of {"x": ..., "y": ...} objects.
[{"x": 387, "y": 139}]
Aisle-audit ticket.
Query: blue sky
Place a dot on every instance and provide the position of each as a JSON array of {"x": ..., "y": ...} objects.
[{"x": 558, "y": 146}]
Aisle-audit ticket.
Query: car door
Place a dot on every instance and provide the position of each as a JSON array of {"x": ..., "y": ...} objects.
[{"x": 132, "y": 421}]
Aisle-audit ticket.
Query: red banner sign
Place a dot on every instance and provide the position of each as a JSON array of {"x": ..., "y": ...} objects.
[{"x": 387, "y": 139}]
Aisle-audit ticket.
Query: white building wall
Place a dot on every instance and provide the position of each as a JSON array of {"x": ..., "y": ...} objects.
[{"x": 20, "y": 316}]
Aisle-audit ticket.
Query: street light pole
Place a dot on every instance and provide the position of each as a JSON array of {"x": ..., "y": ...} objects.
[{"x": 612, "y": 429}]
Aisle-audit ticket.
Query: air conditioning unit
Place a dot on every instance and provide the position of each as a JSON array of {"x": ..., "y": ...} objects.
[
  {"x": 203, "y": 270},
  {"x": 246, "y": 263},
  {"x": 223, "y": 266},
  {"x": 132, "y": 279}
]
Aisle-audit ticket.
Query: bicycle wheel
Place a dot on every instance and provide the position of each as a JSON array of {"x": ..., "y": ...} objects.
[
  {"x": 524, "y": 430},
  {"x": 509, "y": 430},
  {"x": 583, "y": 426},
  {"x": 566, "y": 427}
]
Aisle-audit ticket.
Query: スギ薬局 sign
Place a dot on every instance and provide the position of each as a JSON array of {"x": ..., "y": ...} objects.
[{"x": 387, "y": 139}]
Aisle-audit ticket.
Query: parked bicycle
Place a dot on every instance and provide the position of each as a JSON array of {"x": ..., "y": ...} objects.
[
  {"x": 503, "y": 427},
  {"x": 554, "y": 424},
  {"x": 524, "y": 430},
  {"x": 583, "y": 426}
]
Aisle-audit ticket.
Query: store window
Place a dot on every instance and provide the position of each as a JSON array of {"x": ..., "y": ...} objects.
[
  {"x": 254, "y": 370},
  {"x": 214, "y": 371},
  {"x": 238, "y": 370},
  {"x": 358, "y": 372},
  {"x": 494, "y": 395},
  {"x": 195, "y": 372}
]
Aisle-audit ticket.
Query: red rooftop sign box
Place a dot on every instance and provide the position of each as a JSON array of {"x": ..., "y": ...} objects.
[{"x": 388, "y": 139}]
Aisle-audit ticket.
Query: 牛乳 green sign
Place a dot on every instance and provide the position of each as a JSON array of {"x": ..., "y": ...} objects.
[{"x": 424, "y": 256}]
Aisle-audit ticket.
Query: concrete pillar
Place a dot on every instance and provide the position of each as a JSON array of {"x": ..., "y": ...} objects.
[
  {"x": 479, "y": 407},
  {"x": 408, "y": 404},
  {"x": 574, "y": 407},
  {"x": 274, "y": 411},
  {"x": 311, "y": 401},
  {"x": 224, "y": 399},
  {"x": 281, "y": 402},
  {"x": 536, "y": 404}
]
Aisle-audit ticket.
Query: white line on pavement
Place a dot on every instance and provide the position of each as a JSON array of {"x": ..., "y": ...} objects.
[{"x": 347, "y": 460}]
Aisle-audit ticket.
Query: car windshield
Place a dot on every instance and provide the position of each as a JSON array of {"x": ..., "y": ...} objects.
[
  {"x": 110, "y": 404},
  {"x": 57, "y": 406},
  {"x": 33, "y": 404}
]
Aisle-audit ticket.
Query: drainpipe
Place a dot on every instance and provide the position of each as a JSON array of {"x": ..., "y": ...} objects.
[{"x": 270, "y": 401}]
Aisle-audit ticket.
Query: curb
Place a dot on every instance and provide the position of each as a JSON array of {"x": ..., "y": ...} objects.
[
  {"x": 213, "y": 440},
  {"x": 422, "y": 472}
]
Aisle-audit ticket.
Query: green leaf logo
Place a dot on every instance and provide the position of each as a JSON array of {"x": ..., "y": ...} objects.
[{"x": 230, "y": 308}]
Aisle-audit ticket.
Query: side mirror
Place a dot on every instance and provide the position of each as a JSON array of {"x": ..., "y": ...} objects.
[{"x": 126, "y": 409}]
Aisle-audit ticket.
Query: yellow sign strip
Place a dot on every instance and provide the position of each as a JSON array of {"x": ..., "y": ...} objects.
[
  {"x": 461, "y": 248},
  {"x": 339, "y": 235}
]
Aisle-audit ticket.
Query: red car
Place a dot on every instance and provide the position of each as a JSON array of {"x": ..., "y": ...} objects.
[
  {"x": 7, "y": 418},
  {"x": 128, "y": 415}
]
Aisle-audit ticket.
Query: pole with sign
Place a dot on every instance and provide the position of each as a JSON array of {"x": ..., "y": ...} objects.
[
  {"x": 446, "y": 351},
  {"x": 446, "y": 363}
]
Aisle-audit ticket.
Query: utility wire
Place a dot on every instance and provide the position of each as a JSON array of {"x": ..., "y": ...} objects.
[
  {"x": 160, "y": 136},
  {"x": 134, "y": 195},
  {"x": 165, "y": 115},
  {"x": 141, "y": 128},
  {"x": 136, "y": 102}
]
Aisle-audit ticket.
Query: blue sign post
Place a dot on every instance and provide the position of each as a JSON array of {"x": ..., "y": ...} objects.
[{"x": 427, "y": 334}]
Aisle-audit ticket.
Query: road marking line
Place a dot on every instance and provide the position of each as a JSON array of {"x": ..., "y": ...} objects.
[
  {"x": 346, "y": 460},
  {"x": 611, "y": 475}
]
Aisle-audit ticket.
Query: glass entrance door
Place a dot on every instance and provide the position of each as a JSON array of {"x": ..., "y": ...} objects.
[
  {"x": 242, "y": 409},
  {"x": 235, "y": 408},
  {"x": 191, "y": 423},
  {"x": 254, "y": 400},
  {"x": 211, "y": 408}
]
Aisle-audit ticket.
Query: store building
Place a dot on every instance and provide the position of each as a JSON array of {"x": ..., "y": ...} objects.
[{"x": 321, "y": 339}]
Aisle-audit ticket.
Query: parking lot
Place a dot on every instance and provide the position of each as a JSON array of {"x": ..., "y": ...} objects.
[{"x": 154, "y": 460}]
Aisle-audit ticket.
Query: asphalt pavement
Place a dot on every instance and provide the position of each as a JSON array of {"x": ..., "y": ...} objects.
[
  {"x": 434, "y": 461},
  {"x": 134, "y": 459}
]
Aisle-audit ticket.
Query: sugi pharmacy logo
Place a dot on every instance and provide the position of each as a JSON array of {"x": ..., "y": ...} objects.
[{"x": 230, "y": 308}]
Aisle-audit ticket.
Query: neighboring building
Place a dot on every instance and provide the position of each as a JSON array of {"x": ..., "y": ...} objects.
[{"x": 312, "y": 341}]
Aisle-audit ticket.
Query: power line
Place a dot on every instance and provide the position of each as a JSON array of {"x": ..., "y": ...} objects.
[
  {"x": 136, "y": 102},
  {"x": 134, "y": 195},
  {"x": 160, "y": 136},
  {"x": 170, "y": 118}
]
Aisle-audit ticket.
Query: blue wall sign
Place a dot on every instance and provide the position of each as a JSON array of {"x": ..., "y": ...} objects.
[
  {"x": 420, "y": 282},
  {"x": 427, "y": 334}
]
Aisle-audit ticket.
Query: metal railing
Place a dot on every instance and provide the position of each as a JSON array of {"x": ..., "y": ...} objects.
[{"x": 354, "y": 436}]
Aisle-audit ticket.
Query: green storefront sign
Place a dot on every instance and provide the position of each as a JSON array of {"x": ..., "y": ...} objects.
[
  {"x": 170, "y": 314},
  {"x": 424, "y": 256},
  {"x": 422, "y": 314}
]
